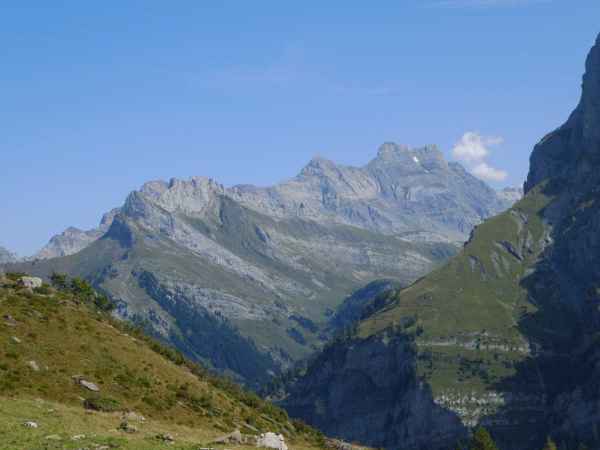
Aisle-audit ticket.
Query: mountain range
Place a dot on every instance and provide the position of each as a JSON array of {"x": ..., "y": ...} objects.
[
  {"x": 402, "y": 191},
  {"x": 505, "y": 335},
  {"x": 245, "y": 278}
]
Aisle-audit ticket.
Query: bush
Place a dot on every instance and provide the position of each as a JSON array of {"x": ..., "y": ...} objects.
[
  {"x": 44, "y": 289},
  {"x": 482, "y": 440},
  {"x": 103, "y": 303},
  {"x": 59, "y": 281}
]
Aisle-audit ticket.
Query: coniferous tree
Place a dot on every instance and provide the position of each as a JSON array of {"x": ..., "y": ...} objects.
[
  {"x": 550, "y": 444},
  {"x": 482, "y": 440}
]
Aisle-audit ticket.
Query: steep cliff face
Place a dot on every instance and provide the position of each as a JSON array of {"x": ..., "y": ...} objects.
[
  {"x": 368, "y": 391},
  {"x": 506, "y": 333}
]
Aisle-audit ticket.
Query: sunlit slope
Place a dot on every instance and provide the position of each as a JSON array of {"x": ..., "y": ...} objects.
[{"x": 50, "y": 341}]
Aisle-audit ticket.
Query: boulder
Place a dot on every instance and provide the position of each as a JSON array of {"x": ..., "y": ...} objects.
[
  {"x": 165, "y": 437},
  {"x": 86, "y": 384},
  {"x": 54, "y": 437},
  {"x": 31, "y": 282},
  {"x": 33, "y": 366},
  {"x": 271, "y": 440},
  {"x": 126, "y": 427},
  {"x": 232, "y": 438},
  {"x": 133, "y": 417},
  {"x": 31, "y": 424}
]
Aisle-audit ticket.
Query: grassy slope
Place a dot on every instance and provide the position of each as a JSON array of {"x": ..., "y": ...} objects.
[
  {"x": 467, "y": 314},
  {"x": 67, "y": 338}
]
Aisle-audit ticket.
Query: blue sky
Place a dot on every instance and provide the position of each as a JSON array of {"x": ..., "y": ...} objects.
[{"x": 98, "y": 97}]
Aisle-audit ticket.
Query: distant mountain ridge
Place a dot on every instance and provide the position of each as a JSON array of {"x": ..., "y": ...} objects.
[
  {"x": 511, "y": 194},
  {"x": 7, "y": 256},
  {"x": 410, "y": 192},
  {"x": 73, "y": 240},
  {"x": 245, "y": 278}
]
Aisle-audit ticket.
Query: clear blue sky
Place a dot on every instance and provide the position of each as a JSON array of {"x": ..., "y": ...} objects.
[{"x": 98, "y": 97}]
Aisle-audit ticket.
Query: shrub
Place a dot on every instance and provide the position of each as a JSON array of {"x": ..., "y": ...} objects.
[
  {"x": 482, "y": 440},
  {"x": 43, "y": 290},
  {"x": 59, "y": 281}
]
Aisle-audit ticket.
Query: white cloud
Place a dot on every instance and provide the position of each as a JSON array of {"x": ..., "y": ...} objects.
[
  {"x": 473, "y": 149},
  {"x": 485, "y": 172}
]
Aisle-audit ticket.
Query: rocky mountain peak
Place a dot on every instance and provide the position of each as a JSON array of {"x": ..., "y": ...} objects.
[
  {"x": 590, "y": 100},
  {"x": 107, "y": 219},
  {"x": 318, "y": 166},
  {"x": 572, "y": 152},
  {"x": 392, "y": 154},
  {"x": 190, "y": 196},
  {"x": 391, "y": 150}
]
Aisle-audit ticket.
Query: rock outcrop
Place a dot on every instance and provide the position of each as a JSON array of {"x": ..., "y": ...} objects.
[
  {"x": 511, "y": 195},
  {"x": 73, "y": 240}
]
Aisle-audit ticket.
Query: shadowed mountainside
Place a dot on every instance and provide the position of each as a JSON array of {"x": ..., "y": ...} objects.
[{"x": 506, "y": 333}]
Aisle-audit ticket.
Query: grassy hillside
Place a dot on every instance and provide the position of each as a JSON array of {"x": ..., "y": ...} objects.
[{"x": 50, "y": 340}]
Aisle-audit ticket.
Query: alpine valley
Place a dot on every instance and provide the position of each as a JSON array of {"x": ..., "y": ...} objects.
[
  {"x": 505, "y": 335},
  {"x": 247, "y": 280}
]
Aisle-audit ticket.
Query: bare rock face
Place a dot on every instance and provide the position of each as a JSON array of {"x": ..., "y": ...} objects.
[
  {"x": 368, "y": 391},
  {"x": 571, "y": 152},
  {"x": 402, "y": 191},
  {"x": 73, "y": 240},
  {"x": 511, "y": 195}
]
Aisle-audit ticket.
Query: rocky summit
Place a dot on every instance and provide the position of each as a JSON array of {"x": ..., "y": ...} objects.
[
  {"x": 414, "y": 193},
  {"x": 505, "y": 335},
  {"x": 73, "y": 239},
  {"x": 245, "y": 278}
]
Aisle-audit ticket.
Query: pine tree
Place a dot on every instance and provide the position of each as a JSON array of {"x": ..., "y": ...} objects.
[
  {"x": 482, "y": 440},
  {"x": 550, "y": 445}
]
